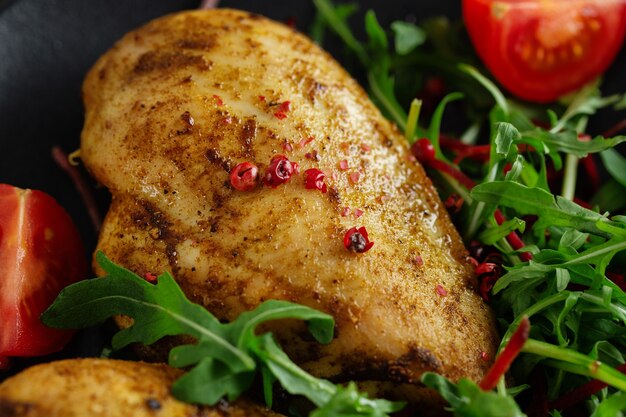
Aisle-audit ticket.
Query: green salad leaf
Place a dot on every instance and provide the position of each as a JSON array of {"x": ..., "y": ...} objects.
[
  {"x": 225, "y": 358},
  {"x": 562, "y": 253}
]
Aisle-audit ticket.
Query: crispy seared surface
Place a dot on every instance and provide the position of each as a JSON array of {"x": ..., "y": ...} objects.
[
  {"x": 106, "y": 388},
  {"x": 174, "y": 105}
]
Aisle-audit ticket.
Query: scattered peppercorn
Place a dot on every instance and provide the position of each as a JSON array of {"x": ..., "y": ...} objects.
[
  {"x": 314, "y": 180},
  {"x": 150, "y": 277},
  {"x": 279, "y": 171},
  {"x": 441, "y": 290},
  {"x": 357, "y": 240},
  {"x": 283, "y": 109},
  {"x": 488, "y": 273},
  {"x": 306, "y": 141},
  {"x": 243, "y": 176},
  {"x": 454, "y": 202},
  {"x": 423, "y": 150},
  {"x": 313, "y": 155}
]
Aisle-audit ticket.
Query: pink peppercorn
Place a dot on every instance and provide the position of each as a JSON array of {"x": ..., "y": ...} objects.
[
  {"x": 314, "y": 179},
  {"x": 243, "y": 176}
]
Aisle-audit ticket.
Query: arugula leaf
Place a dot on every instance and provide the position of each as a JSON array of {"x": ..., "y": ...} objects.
[
  {"x": 225, "y": 357},
  {"x": 347, "y": 402},
  {"x": 337, "y": 21},
  {"x": 468, "y": 400},
  {"x": 615, "y": 164},
  {"x": 567, "y": 141},
  {"x": 552, "y": 210},
  {"x": 612, "y": 406},
  {"x": 491, "y": 235},
  {"x": 610, "y": 197},
  {"x": 342, "y": 13},
  {"x": 407, "y": 36},
  {"x": 435, "y": 123},
  {"x": 489, "y": 86},
  {"x": 506, "y": 136},
  {"x": 570, "y": 245},
  {"x": 584, "y": 102}
]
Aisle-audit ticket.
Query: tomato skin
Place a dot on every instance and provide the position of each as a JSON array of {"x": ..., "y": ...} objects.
[
  {"x": 40, "y": 253},
  {"x": 542, "y": 50}
]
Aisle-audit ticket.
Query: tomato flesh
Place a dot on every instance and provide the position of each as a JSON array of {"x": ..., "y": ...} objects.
[
  {"x": 40, "y": 253},
  {"x": 540, "y": 50}
]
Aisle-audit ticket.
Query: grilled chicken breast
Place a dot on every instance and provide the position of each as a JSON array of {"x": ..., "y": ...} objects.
[
  {"x": 174, "y": 106},
  {"x": 106, "y": 388}
]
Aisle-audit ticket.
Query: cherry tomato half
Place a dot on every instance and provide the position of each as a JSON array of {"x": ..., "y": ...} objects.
[
  {"x": 542, "y": 49},
  {"x": 40, "y": 253}
]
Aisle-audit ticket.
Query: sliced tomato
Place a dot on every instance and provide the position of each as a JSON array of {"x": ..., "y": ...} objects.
[
  {"x": 40, "y": 253},
  {"x": 542, "y": 49}
]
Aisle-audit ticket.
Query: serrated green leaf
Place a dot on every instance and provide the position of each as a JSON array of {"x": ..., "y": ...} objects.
[
  {"x": 339, "y": 25},
  {"x": 293, "y": 379},
  {"x": 516, "y": 169},
  {"x": 567, "y": 141},
  {"x": 348, "y": 402},
  {"x": 491, "y": 235},
  {"x": 583, "y": 102},
  {"x": 572, "y": 239},
  {"x": 408, "y": 36},
  {"x": 611, "y": 197},
  {"x": 562, "y": 279},
  {"x": 378, "y": 43},
  {"x": 555, "y": 211},
  {"x": 468, "y": 400},
  {"x": 490, "y": 86},
  {"x": 506, "y": 135},
  {"x": 341, "y": 12},
  {"x": 225, "y": 358},
  {"x": 612, "y": 406},
  {"x": 209, "y": 381},
  {"x": 435, "y": 123},
  {"x": 570, "y": 303},
  {"x": 321, "y": 325},
  {"x": 607, "y": 352},
  {"x": 615, "y": 164}
]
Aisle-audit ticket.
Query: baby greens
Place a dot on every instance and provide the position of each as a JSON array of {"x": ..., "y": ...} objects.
[
  {"x": 226, "y": 358},
  {"x": 563, "y": 262}
]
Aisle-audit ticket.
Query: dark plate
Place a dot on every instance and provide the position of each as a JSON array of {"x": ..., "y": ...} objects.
[{"x": 46, "y": 47}]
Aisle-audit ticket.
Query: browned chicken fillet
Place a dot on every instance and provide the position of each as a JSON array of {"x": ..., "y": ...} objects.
[
  {"x": 176, "y": 104},
  {"x": 106, "y": 388}
]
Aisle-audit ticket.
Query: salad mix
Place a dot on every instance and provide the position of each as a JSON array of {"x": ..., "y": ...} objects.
[{"x": 548, "y": 246}]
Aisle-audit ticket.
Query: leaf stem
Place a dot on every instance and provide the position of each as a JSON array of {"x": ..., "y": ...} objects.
[
  {"x": 576, "y": 362},
  {"x": 530, "y": 311},
  {"x": 326, "y": 9},
  {"x": 488, "y": 84},
  {"x": 569, "y": 178},
  {"x": 396, "y": 113},
  {"x": 414, "y": 114},
  {"x": 615, "y": 309}
]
